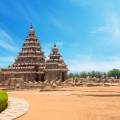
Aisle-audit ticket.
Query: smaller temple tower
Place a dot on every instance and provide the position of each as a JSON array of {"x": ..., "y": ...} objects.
[{"x": 55, "y": 68}]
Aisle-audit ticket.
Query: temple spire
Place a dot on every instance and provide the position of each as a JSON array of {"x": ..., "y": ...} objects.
[
  {"x": 31, "y": 26},
  {"x": 54, "y": 45},
  {"x": 31, "y": 32}
]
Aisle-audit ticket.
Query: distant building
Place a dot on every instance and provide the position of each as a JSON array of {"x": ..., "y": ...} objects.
[{"x": 30, "y": 65}]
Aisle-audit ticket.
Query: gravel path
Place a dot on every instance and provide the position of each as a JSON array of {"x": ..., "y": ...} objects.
[{"x": 16, "y": 108}]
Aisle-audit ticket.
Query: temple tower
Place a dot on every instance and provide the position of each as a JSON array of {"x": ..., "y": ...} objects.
[
  {"x": 55, "y": 68},
  {"x": 30, "y": 62}
]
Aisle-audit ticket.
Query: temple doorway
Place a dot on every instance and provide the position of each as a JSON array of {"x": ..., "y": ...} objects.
[
  {"x": 42, "y": 77},
  {"x": 63, "y": 76},
  {"x": 36, "y": 78},
  {"x": 36, "y": 75}
]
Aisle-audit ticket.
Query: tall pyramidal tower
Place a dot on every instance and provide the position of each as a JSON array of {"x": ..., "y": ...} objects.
[{"x": 30, "y": 63}]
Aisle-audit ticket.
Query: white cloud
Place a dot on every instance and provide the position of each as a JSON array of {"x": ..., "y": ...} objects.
[
  {"x": 7, "y": 58},
  {"x": 111, "y": 26},
  {"x": 89, "y": 64},
  {"x": 6, "y": 41},
  {"x": 100, "y": 29},
  {"x": 115, "y": 23},
  {"x": 60, "y": 24},
  {"x": 56, "y": 22}
]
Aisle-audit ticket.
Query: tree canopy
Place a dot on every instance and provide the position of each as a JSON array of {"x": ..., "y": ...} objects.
[{"x": 112, "y": 73}]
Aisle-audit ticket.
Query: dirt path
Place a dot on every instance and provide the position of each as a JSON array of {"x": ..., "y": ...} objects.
[{"x": 72, "y": 105}]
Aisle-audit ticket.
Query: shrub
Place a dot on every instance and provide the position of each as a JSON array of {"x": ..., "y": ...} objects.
[{"x": 3, "y": 100}]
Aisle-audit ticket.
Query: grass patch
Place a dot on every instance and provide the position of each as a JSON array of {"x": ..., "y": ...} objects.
[{"x": 3, "y": 100}]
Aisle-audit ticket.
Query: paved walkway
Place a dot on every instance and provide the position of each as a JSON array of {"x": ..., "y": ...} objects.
[{"x": 16, "y": 108}]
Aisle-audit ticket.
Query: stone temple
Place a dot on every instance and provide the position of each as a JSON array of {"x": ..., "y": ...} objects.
[{"x": 30, "y": 64}]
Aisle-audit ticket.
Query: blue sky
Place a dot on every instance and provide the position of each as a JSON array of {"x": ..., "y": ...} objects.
[{"x": 86, "y": 31}]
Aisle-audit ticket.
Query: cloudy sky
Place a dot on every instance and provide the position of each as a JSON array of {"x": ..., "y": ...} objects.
[{"x": 87, "y": 32}]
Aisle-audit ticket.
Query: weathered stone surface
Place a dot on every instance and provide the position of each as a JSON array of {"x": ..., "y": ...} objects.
[{"x": 31, "y": 66}]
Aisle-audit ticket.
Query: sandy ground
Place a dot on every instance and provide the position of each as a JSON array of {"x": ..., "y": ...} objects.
[{"x": 77, "y": 103}]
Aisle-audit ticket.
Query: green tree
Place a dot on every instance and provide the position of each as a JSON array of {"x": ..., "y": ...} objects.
[
  {"x": 76, "y": 75},
  {"x": 83, "y": 74},
  {"x": 70, "y": 75},
  {"x": 114, "y": 73},
  {"x": 95, "y": 74}
]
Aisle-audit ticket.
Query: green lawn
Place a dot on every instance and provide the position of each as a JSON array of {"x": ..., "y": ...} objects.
[{"x": 3, "y": 100}]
